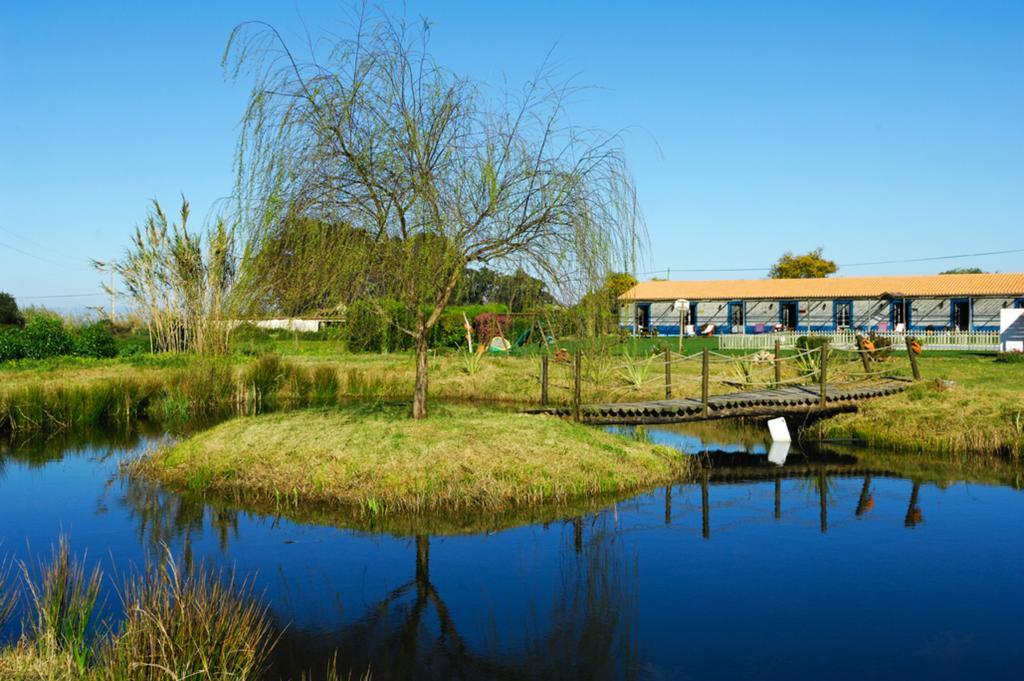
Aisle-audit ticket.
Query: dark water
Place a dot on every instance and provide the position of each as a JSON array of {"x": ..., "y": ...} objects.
[{"x": 836, "y": 565}]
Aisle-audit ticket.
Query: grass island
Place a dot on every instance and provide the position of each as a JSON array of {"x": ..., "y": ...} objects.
[{"x": 373, "y": 460}]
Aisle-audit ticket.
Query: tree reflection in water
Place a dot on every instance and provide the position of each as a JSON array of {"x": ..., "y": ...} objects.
[
  {"x": 412, "y": 634},
  {"x": 586, "y": 631},
  {"x": 164, "y": 518}
]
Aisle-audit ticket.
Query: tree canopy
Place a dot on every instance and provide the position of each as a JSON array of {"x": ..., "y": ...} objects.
[
  {"x": 9, "y": 313},
  {"x": 437, "y": 175},
  {"x": 810, "y": 265},
  {"x": 964, "y": 270}
]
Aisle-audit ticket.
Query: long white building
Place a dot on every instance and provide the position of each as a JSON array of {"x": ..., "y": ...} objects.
[{"x": 965, "y": 302}]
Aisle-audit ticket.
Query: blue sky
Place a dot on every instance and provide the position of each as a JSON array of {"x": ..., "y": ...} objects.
[{"x": 879, "y": 131}]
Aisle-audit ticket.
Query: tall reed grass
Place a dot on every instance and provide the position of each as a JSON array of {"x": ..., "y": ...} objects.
[
  {"x": 178, "y": 623},
  {"x": 63, "y": 597},
  {"x": 188, "y": 623},
  {"x": 203, "y": 389}
]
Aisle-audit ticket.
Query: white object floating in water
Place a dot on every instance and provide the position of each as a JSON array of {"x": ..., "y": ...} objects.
[
  {"x": 779, "y": 430},
  {"x": 778, "y": 453}
]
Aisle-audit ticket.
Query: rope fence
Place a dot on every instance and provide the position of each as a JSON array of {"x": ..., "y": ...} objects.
[{"x": 598, "y": 378}]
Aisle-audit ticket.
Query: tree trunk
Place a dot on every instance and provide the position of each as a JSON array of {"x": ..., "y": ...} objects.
[{"x": 419, "y": 396}]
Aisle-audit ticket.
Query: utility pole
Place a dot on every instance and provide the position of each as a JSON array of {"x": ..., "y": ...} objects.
[{"x": 108, "y": 266}]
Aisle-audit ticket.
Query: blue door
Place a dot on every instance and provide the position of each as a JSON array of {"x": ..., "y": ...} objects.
[
  {"x": 789, "y": 314},
  {"x": 900, "y": 313},
  {"x": 960, "y": 314},
  {"x": 737, "y": 318}
]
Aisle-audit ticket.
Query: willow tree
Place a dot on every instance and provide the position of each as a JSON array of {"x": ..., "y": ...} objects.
[{"x": 370, "y": 131}]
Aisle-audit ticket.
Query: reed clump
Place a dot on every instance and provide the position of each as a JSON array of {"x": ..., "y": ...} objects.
[
  {"x": 178, "y": 623},
  {"x": 184, "y": 623},
  {"x": 63, "y": 597}
]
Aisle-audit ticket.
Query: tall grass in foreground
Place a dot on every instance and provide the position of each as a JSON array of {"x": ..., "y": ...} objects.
[
  {"x": 63, "y": 597},
  {"x": 188, "y": 624},
  {"x": 179, "y": 623},
  {"x": 8, "y": 596}
]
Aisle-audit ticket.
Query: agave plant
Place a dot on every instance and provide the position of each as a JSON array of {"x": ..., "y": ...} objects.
[
  {"x": 471, "y": 360},
  {"x": 636, "y": 370}
]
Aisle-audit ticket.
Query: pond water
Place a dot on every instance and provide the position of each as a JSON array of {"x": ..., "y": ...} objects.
[{"x": 834, "y": 565}]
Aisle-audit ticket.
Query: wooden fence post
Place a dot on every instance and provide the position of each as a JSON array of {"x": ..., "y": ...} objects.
[
  {"x": 668, "y": 373},
  {"x": 704, "y": 382},
  {"x": 544, "y": 380},
  {"x": 577, "y": 370},
  {"x": 864, "y": 358},
  {"x": 682, "y": 318},
  {"x": 823, "y": 373},
  {"x": 913, "y": 359},
  {"x": 778, "y": 362}
]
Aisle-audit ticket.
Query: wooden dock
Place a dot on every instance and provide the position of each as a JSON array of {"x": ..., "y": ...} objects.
[{"x": 794, "y": 400}]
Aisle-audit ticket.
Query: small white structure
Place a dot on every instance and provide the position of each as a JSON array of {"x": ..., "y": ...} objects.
[
  {"x": 1011, "y": 330},
  {"x": 305, "y": 325},
  {"x": 779, "y": 430}
]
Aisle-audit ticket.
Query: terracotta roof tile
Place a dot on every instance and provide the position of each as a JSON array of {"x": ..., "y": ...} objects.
[{"x": 918, "y": 286}]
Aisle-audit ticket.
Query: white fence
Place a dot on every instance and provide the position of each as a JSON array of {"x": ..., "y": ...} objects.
[{"x": 980, "y": 341}]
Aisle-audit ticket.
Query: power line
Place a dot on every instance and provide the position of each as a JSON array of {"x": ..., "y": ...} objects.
[
  {"x": 46, "y": 248},
  {"x": 39, "y": 257},
  {"x": 840, "y": 266},
  {"x": 65, "y": 295}
]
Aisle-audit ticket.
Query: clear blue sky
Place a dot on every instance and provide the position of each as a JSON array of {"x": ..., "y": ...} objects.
[{"x": 878, "y": 130}]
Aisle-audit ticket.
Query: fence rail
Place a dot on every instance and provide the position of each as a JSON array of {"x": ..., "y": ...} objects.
[{"x": 980, "y": 341}]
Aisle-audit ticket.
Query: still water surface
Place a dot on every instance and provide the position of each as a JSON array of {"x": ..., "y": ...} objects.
[{"x": 832, "y": 566}]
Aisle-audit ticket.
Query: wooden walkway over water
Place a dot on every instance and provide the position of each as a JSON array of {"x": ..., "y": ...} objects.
[{"x": 792, "y": 400}]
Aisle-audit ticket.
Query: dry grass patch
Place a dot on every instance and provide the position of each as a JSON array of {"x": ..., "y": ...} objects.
[{"x": 379, "y": 461}]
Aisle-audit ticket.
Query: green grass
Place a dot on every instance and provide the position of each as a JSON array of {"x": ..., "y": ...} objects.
[
  {"x": 378, "y": 462},
  {"x": 982, "y": 413}
]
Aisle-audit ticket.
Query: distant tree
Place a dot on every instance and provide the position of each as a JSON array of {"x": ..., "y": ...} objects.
[
  {"x": 368, "y": 130},
  {"x": 964, "y": 270},
  {"x": 617, "y": 283},
  {"x": 9, "y": 313},
  {"x": 807, "y": 266},
  {"x": 520, "y": 291}
]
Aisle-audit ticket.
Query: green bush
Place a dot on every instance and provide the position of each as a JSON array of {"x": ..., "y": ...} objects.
[
  {"x": 1003, "y": 357},
  {"x": 45, "y": 336},
  {"x": 367, "y": 330},
  {"x": 811, "y": 342},
  {"x": 95, "y": 340},
  {"x": 12, "y": 346}
]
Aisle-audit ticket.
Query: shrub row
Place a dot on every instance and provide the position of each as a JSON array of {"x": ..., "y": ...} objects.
[
  {"x": 365, "y": 330},
  {"x": 44, "y": 337}
]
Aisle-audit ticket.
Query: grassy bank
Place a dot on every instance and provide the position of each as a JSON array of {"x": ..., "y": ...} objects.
[
  {"x": 376, "y": 461},
  {"x": 980, "y": 412},
  {"x": 66, "y": 393},
  {"x": 983, "y": 412}
]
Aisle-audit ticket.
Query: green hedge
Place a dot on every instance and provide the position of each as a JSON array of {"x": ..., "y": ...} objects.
[
  {"x": 44, "y": 337},
  {"x": 95, "y": 340},
  {"x": 368, "y": 330}
]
